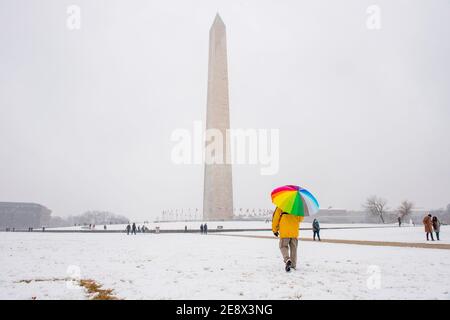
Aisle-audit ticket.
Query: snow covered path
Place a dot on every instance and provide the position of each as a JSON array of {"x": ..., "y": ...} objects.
[
  {"x": 428, "y": 245},
  {"x": 192, "y": 266}
]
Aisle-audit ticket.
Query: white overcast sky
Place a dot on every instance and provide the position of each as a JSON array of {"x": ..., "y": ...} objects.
[{"x": 86, "y": 116}]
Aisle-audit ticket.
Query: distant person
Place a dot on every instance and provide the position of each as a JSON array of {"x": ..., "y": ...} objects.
[
  {"x": 428, "y": 224},
  {"x": 133, "y": 228},
  {"x": 205, "y": 228},
  {"x": 286, "y": 227},
  {"x": 128, "y": 229},
  {"x": 399, "y": 221},
  {"x": 104, "y": 227},
  {"x": 185, "y": 228},
  {"x": 43, "y": 229},
  {"x": 316, "y": 229},
  {"x": 436, "y": 226},
  {"x": 201, "y": 229}
]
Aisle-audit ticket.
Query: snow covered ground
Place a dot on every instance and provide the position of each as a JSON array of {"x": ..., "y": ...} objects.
[
  {"x": 394, "y": 234},
  {"x": 193, "y": 266}
]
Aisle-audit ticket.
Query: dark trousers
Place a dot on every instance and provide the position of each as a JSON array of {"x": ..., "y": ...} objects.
[
  {"x": 314, "y": 235},
  {"x": 437, "y": 235},
  {"x": 430, "y": 233}
]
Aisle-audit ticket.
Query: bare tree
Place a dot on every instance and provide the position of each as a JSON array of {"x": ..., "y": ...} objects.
[
  {"x": 405, "y": 209},
  {"x": 376, "y": 206}
]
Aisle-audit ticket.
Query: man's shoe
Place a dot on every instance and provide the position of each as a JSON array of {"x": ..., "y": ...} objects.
[{"x": 288, "y": 266}]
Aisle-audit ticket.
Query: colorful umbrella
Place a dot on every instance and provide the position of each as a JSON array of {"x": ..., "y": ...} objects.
[{"x": 295, "y": 200}]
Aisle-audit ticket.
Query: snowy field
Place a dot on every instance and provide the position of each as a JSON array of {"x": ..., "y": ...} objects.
[
  {"x": 194, "y": 266},
  {"x": 393, "y": 234}
]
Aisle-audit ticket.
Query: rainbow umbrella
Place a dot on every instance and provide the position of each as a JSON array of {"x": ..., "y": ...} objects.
[{"x": 295, "y": 200}]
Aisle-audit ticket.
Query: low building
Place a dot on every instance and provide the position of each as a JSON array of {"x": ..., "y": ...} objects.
[{"x": 23, "y": 215}]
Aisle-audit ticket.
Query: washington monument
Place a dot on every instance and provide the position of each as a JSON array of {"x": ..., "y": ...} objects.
[{"x": 218, "y": 186}]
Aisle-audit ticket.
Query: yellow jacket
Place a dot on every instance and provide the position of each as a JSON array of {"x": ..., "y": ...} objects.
[{"x": 286, "y": 224}]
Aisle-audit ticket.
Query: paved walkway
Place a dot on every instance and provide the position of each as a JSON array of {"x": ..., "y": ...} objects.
[{"x": 425, "y": 245}]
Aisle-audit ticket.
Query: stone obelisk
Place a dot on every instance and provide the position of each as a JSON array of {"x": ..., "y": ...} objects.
[{"x": 218, "y": 186}]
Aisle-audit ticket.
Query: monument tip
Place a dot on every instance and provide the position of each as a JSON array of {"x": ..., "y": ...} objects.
[{"x": 218, "y": 19}]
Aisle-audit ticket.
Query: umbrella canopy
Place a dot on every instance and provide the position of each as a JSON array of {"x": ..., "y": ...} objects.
[{"x": 295, "y": 200}]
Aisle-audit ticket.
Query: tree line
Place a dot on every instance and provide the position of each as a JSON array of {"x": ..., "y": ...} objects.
[{"x": 377, "y": 206}]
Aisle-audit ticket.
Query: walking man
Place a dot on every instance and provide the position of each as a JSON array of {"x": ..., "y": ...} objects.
[
  {"x": 316, "y": 229},
  {"x": 133, "y": 229},
  {"x": 428, "y": 224},
  {"x": 286, "y": 227},
  {"x": 205, "y": 229},
  {"x": 201, "y": 228}
]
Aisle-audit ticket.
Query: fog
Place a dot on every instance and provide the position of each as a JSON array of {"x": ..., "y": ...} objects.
[{"x": 86, "y": 115}]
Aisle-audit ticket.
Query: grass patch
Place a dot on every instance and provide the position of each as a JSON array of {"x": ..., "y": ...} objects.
[
  {"x": 42, "y": 280},
  {"x": 95, "y": 290}
]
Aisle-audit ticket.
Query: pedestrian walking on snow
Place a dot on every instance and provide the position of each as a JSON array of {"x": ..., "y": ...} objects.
[
  {"x": 316, "y": 229},
  {"x": 436, "y": 226},
  {"x": 286, "y": 227},
  {"x": 428, "y": 224}
]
